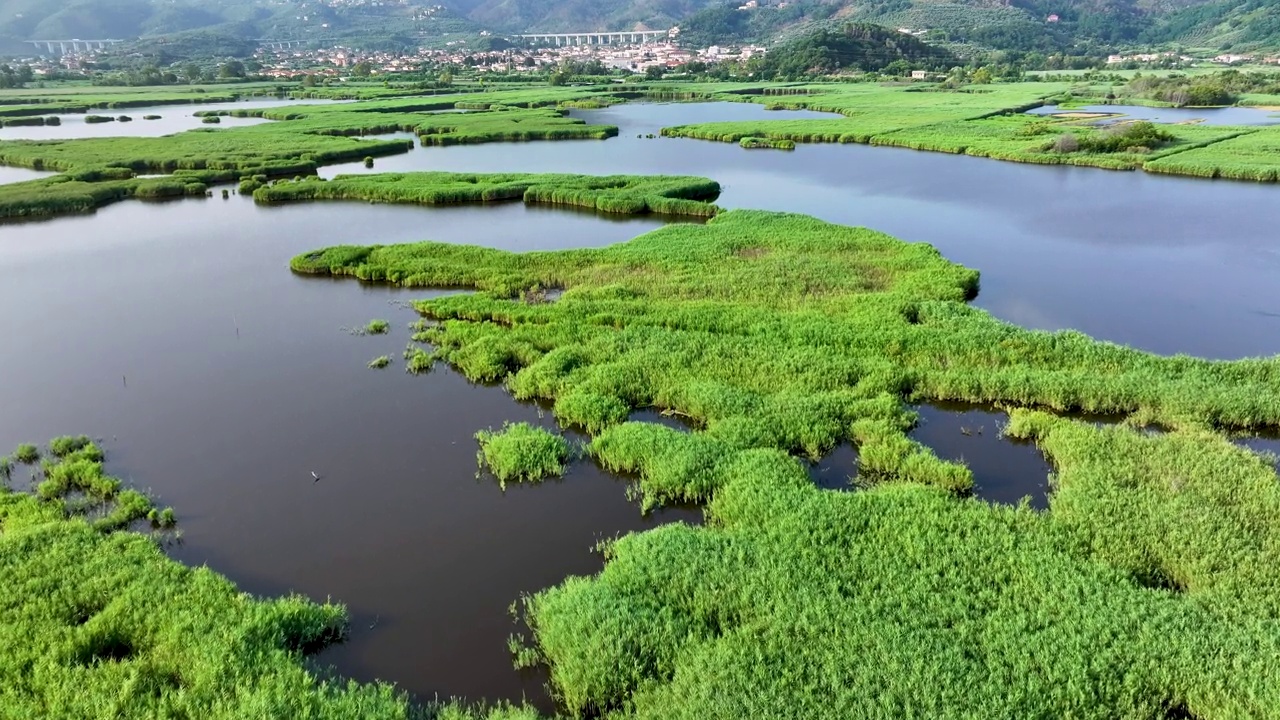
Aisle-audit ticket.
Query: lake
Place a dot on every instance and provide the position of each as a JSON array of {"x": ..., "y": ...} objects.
[{"x": 220, "y": 381}]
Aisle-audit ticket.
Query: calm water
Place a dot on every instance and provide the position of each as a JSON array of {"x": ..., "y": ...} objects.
[
  {"x": 1163, "y": 263},
  {"x": 1204, "y": 116},
  {"x": 173, "y": 118},
  {"x": 219, "y": 380},
  {"x": 14, "y": 174},
  {"x": 1004, "y": 470}
]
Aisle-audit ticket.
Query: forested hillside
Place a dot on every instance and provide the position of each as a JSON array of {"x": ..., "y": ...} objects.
[
  {"x": 571, "y": 15},
  {"x": 852, "y": 46},
  {"x": 1030, "y": 25},
  {"x": 1043, "y": 25},
  {"x": 226, "y": 22}
]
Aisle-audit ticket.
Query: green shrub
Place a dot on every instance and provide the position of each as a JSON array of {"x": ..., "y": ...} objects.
[
  {"x": 27, "y": 454},
  {"x": 522, "y": 452}
]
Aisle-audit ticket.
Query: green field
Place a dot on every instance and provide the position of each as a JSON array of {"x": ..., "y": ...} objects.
[
  {"x": 1253, "y": 156},
  {"x": 98, "y": 171},
  {"x": 1024, "y": 138},
  {"x": 981, "y": 120},
  {"x": 987, "y": 122}
]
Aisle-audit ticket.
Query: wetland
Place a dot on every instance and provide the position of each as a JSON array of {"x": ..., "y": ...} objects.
[{"x": 174, "y": 333}]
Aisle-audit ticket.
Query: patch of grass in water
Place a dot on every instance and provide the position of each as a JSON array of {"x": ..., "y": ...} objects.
[
  {"x": 112, "y": 622},
  {"x": 377, "y": 327},
  {"x": 27, "y": 454},
  {"x": 380, "y": 362},
  {"x": 521, "y": 452}
]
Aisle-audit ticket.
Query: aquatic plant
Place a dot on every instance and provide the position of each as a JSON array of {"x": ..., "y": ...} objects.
[
  {"x": 780, "y": 331},
  {"x": 210, "y": 119},
  {"x": 1158, "y": 557},
  {"x": 63, "y": 446},
  {"x": 380, "y": 362},
  {"x": 624, "y": 194},
  {"x": 521, "y": 452},
  {"x": 27, "y": 454},
  {"x": 96, "y": 119},
  {"x": 756, "y": 143},
  {"x": 150, "y": 117},
  {"x": 1246, "y": 155},
  {"x": 113, "y": 623},
  {"x": 377, "y": 327}
]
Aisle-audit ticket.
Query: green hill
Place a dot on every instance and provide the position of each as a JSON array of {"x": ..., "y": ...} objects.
[
  {"x": 1031, "y": 25},
  {"x": 1043, "y": 25},
  {"x": 851, "y": 46},
  {"x": 232, "y": 20}
]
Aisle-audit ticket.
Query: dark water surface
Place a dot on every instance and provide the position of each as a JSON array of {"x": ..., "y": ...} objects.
[
  {"x": 220, "y": 381},
  {"x": 175, "y": 332},
  {"x": 1162, "y": 263},
  {"x": 1004, "y": 470}
]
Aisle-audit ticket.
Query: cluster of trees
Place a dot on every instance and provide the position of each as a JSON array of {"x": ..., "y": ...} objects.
[
  {"x": 15, "y": 77},
  {"x": 1126, "y": 137},
  {"x": 851, "y": 47},
  {"x": 1222, "y": 88},
  {"x": 724, "y": 23},
  {"x": 189, "y": 73}
]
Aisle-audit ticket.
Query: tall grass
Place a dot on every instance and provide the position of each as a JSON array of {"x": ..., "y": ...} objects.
[
  {"x": 775, "y": 330},
  {"x": 1248, "y": 156},
  {"x": 97, "y": 622},
  {"x": 624, "y": 194},
  {"x": 27, "y": 454},
  {"x": 522, "y": 452},
  {"x": 1147, "y": 590}
]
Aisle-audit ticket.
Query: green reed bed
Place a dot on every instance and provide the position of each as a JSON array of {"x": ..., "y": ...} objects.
[
  {"x": 1028, "y": 139},
  {"x": 241, "y": 149},
  {"x": 613, "y": 194},
  {"x": 1251, "y": 156},
  {"x": 754, "y": 143},
  {"x": 98, "y": 623},
  {"x": 780, "y": 332},
  {"x": 63, "y": 195},
  {"x": 521, "y": 452},
  {"x": 1146, "y": 591},
  {"x": 509, "y": 126},
  {"x": 868, "y": 109},
  {"x": 37, "y": 121}
]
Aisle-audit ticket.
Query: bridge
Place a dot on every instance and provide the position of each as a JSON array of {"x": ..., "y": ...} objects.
[
  {"x": 272, "y": 44},
  {"x": 76, "y": 45},
  {"x": 632, "y": 37}
]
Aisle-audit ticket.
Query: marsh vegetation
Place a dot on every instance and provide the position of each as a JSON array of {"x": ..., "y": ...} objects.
[
  {"x": 777, "y": 338},
  {"x": 521, "y": 452},
  {"x": 784, "y": 336},
  {"x": 619, "y": 194}
]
